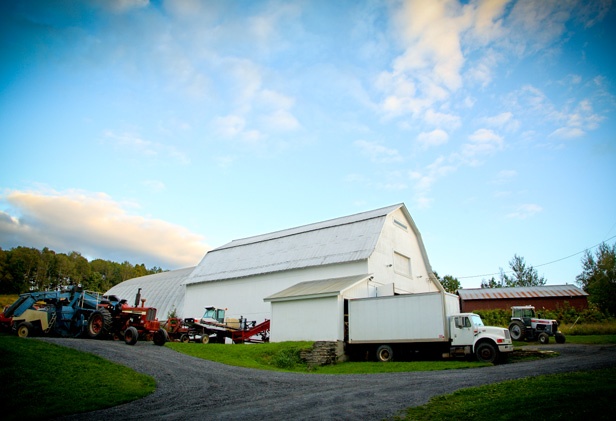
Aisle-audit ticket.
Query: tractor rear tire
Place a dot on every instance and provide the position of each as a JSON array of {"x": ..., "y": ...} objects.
[
  {"x": 544, "y": 338},
  {"x": 131, "y": 335},
  {"x": 25, "y": 329},
  {"x": 560, "y": 338},
  {"x": 517, "y": 330},
  {"x": 99, "y": 323},
  {"x": 486, "y": 353},
  {"x": 160, "y": 337},
  {"x": 384, "y": 354}
]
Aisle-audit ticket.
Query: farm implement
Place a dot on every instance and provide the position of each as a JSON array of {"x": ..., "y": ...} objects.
[{"x": 215, "y": 327}]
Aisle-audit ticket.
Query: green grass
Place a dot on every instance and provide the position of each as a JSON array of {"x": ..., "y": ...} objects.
[
  {"x": 41, "y": 380},
  {"x": 284, "y": 356},
  {"x": 572, "y": 396},
  {"x": 604, "y": 328},
  {"x": 575, "y": 339}
]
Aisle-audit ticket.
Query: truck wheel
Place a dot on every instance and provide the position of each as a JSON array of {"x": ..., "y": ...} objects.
[
  {"x": 99, "y": 323},
  {"x": 560, "y": 338},
  {"x": 205, "y": 338},
  {"x": 544, "y": 338},
  {"x": 25, "y": 329},
  {"x": 517, "y": 330},
  {"x": 384, "y": 353},
  {"x": 131, "y": 335},
  {"x": 486, "y": 352},
  {"x": 160, "y": 337}
]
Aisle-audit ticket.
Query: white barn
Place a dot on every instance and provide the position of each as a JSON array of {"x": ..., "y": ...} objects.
[{"x": 300, "y": 277}]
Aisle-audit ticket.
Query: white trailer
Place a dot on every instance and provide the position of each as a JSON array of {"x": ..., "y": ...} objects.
[{"x": 417, "y": 322}]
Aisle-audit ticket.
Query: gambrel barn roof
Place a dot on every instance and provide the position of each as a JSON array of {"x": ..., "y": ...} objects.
[
  {"x": 346, "y": 239},
  {"x": 163, "y": 291}
]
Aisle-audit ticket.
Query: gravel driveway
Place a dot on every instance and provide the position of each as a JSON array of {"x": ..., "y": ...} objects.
[{"x": 191, "y": 388}]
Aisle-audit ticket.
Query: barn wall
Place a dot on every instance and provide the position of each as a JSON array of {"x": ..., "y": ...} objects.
[
  {"x": 317, "y": 319},
  {"x": 579, "y": 303},
  {"x": 396, "y": 239},
  {"x": 244, "y": 296}
]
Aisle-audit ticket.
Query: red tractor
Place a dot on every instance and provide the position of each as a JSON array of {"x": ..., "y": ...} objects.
[{"x": 137, "y": 322}]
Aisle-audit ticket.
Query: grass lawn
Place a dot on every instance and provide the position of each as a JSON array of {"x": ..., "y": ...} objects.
[
  {"x": 284, "y": 356},
  {"x": 572, "y": 396},
  {"x": 42, "y": 380}
]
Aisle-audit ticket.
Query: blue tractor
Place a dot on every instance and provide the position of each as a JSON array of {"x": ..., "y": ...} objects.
[{"x": 70, "y": 313}]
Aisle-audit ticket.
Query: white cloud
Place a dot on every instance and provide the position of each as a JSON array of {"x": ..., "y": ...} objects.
[
  {"x": 133, "y": 142},
  {"x": 377, "y": 152},
  {"x": 482, "y": 142},
  {"x": 504, "y": 121},
  {"x": 434, "y": 138},
  {"x": 525, "y": 211},
  {"x": 505, "y": 176},
  {"x": 568, "y": 132},
  {"x": 96, "y": 226}
]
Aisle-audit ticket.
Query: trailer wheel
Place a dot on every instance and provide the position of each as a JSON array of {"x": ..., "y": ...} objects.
[
  {"x": 99, "y": 323},
  {"x": 205, "y": 338},
  {"x": 560, "y": 338},
  {"x": 384, "y": 353},
  {"x": 486, "y": 352},
  {"x": 544, "y": 338},
  {"x": 25, "y": 329},
  {"x": 160, "y": 337},
  {"x": 517, "y": 330},
  {"x": 131, "y": 335}
]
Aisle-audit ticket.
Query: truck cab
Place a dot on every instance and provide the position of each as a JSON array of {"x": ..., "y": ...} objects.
[{"x": 470, "y": 336}]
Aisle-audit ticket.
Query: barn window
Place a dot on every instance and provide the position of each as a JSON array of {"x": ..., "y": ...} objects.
[
  {"x": 400, "y": 224},
  {"x": 402, "y": 264}
]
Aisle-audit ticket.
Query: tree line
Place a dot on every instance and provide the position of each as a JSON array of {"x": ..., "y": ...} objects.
[
  {"x": 598, "y": 278},
  {"x": 25, "y": 269}
]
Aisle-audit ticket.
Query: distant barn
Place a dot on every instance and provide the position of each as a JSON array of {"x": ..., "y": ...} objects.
[{"x": 542, "y": 297}]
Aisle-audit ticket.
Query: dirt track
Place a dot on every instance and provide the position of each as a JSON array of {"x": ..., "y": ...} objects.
[{"x": 190, "y": 388}]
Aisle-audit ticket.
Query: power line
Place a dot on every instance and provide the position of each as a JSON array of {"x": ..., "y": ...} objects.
[{"x": 543, "y": 264}]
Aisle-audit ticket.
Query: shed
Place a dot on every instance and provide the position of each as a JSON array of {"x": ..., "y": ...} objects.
[
  {"x": 542, "y": 297},
  {"x": 314, "y": 309}
]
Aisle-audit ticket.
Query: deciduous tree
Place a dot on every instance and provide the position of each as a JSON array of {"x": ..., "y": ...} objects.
[{"x": 598, "y": 277}]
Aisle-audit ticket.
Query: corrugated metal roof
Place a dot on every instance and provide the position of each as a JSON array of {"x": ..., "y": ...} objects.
[
  {"x": 521, "y": 292},
  {"x": 346, "y": 239},
  {"x": 322, "y": 287},
  {"x": 163, "y": 291}
]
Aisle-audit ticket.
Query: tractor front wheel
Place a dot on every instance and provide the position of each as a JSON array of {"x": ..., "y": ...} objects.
[
  {"x": 544, "y": 338},
  {"x": 205, "y": 338},
  {"x": 560, "y": 338},
  {"x": 25, "y": 329},
  {"x": 517, "y": 330},
  {"x": 160, "y": 337},
  {"x": 184, "y": 338},
  {"x": 131, "y": 335}
]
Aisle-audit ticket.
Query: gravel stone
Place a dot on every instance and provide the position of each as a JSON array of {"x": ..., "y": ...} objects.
[{"x": 189, "y": 388}]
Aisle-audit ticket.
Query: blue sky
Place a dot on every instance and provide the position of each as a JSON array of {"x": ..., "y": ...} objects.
[{"x": 154, "y": 131}]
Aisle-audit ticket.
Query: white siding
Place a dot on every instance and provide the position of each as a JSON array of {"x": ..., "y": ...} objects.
[
  {"x": 244, "y": 296},
  {"x": 307, "y": 320},
  {"x": 394, "y": 247}
]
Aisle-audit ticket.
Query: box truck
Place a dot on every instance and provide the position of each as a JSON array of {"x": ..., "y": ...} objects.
[{"x": 401, "y": 325}]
